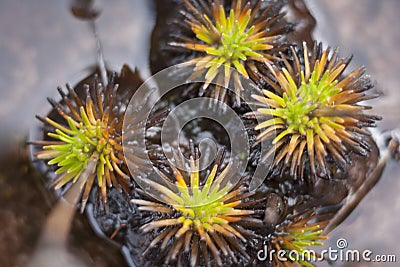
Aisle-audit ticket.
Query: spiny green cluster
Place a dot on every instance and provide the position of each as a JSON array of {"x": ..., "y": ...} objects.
[
  {"x": 204, "y": 206},
  {"x": 80, "y": 142},
  {"x": 300, "y": 241},
  {"x": 237, "y": 41},
  {"x": 296, "y": 237},
  {"x": 224, "y": 44},
  {"x": 313, "y": 108},
  {"x": 193, "y": 215},
  {"x": 296, "y": 105},
  {"x": 86, "y": 143}
]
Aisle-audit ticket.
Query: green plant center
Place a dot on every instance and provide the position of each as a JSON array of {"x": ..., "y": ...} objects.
[
  {"x": 81, "y": 140},
  {"x": 204, "y": 205},
  {"x": 299, "y": 109},
  {"x": 297, "y": 115},
  {"x": 203, "y": 212},
  {"x": 233, "y": 45},
  {"x": 88, "y": 140},
  {"x": 235, "y": 42}
]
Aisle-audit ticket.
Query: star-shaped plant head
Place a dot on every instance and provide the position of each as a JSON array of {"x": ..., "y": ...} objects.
[
  {"x": 312, "y": 111},
  {"x": 85, "y": 132},
  {"x": 295, "y": 235},
  {"x": 197, "y": 217},
  {"x": 224, "y": 39}
]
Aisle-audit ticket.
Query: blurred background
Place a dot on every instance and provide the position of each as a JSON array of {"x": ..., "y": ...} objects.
[
  {"x": 368, "y": 29},
  {"x": 43, "y": 46}
]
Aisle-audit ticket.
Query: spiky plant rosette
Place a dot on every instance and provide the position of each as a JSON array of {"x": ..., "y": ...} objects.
[
  {"x": 283, "y": 227},
  {"x": 87, "y": 133},
  {"x": 196, "y": 221},
  {"x": 295, "y": 235},
  {"x": 224, "y": 38},
  {"x": 311, "y": 110}
]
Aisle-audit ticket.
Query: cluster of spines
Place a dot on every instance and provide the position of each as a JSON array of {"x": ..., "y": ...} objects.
[
  {"x": 311, "y": 111},
  {"x": 86, "y": 129},
  {"x": 225, "y": 41},
  {"x": 295, "y": 235},
  {"x": 198, "y": 216}
]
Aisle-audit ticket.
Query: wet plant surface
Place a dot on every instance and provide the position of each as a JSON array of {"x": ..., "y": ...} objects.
[{"x": 25, "y": 203}]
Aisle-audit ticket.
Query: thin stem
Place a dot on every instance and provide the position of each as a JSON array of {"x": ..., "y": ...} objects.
[
  {"x": 353, "y": 200},
  {"x": 99, "y": 50},
  {"x": 58, "y": 223}
]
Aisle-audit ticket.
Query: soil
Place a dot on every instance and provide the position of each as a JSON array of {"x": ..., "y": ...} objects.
[{"x": 24, "y": 205}]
